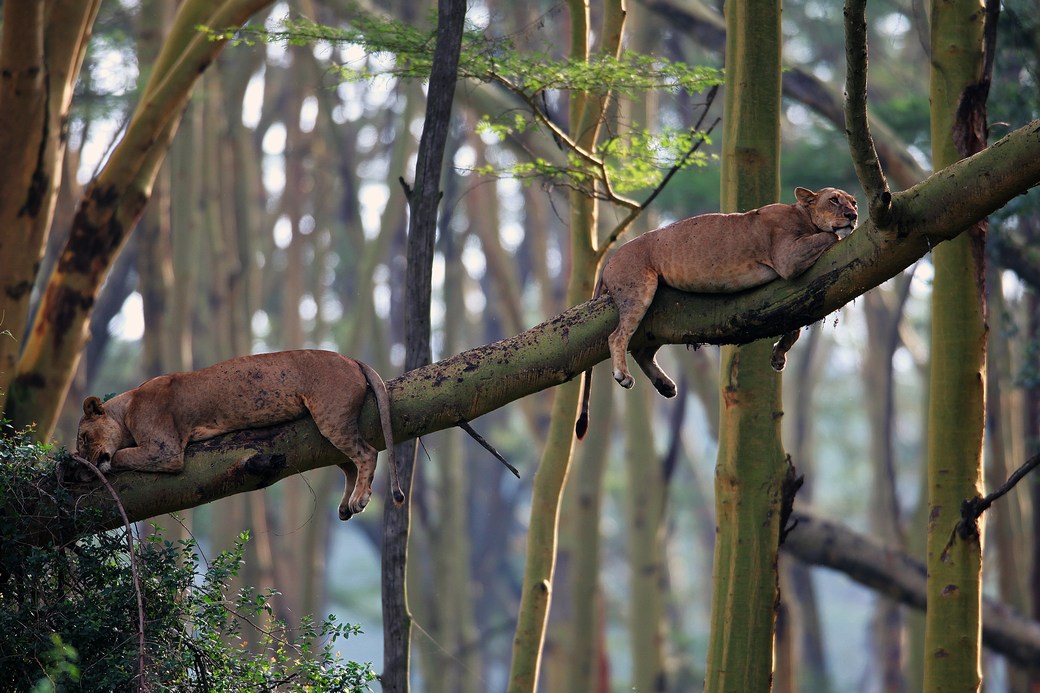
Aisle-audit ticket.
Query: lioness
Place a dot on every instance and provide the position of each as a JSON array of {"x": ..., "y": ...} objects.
[
  {"x": 147, "y": 428},
  {"x": 715, "y": 253}
]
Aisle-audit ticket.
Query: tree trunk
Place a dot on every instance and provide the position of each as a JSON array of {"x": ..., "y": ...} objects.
[
  {"x": 423, "y": 202},
  {"x": 752, "y": 471},
  {"x": 540, "y": 563},
  {"x": 41, "y": 52},
  {"x": 958, "y": 372}
]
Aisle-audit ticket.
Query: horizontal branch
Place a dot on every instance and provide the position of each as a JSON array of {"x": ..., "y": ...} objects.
[
  {"x": 478, "y": 381},
  {"x": 816, "y": 541}
]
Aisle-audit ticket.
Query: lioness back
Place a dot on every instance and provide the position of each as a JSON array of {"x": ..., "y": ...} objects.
[
  {"x": 719, "y": 253},
  {"x": 257, "y": 390}
]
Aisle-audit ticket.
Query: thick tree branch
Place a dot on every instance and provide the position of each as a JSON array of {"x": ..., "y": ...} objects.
[
  {"x": 819, "y": 542},
  {"x": 481, "y": 380}
]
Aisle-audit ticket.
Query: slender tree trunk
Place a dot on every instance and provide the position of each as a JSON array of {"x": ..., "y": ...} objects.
[
  {"x": 645, "y": 499},
  {"x": 586, "y": 653},
  {"x": 423, "y": 202},
  {"x": 956, "y": 411},
  {"x": 539, "y": 567},
  {"x": 752, "y": 470}
]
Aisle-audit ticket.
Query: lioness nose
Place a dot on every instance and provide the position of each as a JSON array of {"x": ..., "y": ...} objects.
[{"x": 851, "y": 216}]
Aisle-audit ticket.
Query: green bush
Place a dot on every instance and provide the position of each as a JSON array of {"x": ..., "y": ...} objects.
[{"x": 69, "y": 614}]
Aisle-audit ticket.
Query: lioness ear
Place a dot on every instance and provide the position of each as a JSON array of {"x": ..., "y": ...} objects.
[
  {"x": 92, "y": 407},
  {"x": 805, "y": 196}
]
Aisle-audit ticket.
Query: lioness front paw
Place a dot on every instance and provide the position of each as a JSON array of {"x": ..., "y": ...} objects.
[{"x": 665, "y": 387}]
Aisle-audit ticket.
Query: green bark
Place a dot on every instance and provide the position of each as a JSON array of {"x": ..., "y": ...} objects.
[
  {"x": 536, "y": 590},
  {"x": 752, "y": 468},
  {"x": 957, "y": 388},
  {"x": 644, "y": 474}
]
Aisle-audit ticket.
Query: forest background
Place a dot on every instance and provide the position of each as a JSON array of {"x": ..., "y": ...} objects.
[{"x": 277, "y": 221}]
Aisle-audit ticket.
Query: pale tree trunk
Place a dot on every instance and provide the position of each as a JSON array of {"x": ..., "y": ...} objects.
[
  {"x": 807, "y": 661},
  {"x": 111, "y": 205},
  {"x": 645, "y": 498},
  {"x": 959, "y": 86},
  {"x": 752, "y": 472},
  {"x": 883, "y": 310},
  {"x": 1005, "y": 530},
  {"x": 41, "y": 52},
  {"x": 586, "y": 658},
  {"x": 540, "y": 563}
]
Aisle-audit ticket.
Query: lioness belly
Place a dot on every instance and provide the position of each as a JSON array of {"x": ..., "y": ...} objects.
[{"x": 715, "y": 253}]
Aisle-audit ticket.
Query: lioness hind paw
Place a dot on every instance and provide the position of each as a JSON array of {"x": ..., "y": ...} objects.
[
  {"x": 345, "y": 514},
  {"x": 625, "y": 380}
]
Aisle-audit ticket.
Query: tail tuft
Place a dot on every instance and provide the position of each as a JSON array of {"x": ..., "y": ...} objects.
[
  {"x": 581, "y": 426},
  {"x": 398, "y": 497}
]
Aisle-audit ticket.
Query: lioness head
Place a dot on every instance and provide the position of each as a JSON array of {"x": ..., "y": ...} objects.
[
  {"x": 99, "y": 435},
  {"x": 830, "y": 209}
]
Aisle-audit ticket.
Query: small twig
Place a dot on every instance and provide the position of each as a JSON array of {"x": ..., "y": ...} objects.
[
  {"x": 133, "y": 567},
  {"x": 464, "y": 425},
  {"x": 973, "y": 508}
]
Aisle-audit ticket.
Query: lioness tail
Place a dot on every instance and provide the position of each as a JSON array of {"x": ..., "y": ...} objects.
[
  {"x": 383, "y": 405},
  {"x": 581, "y": 426}
]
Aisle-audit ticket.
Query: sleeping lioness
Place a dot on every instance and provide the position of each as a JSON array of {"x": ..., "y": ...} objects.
[
  {"x": 147, "y": 428},
  {"x": 716, "y": 253}
]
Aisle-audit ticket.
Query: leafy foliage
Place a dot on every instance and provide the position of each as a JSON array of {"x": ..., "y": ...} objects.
[
  {"x": 633, "y": 160},
  {"x": 68, "y": 615}
]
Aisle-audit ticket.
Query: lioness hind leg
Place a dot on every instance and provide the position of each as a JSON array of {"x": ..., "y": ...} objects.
[
  {"x": 647, "y": 361},
  {"x": 358, "y": 489},
  {"x": 780, "y": 349},
  {"x": 632, "y": 302},
  {"x": 356, "y": 495},
  {"x": 350, "y": 472}
]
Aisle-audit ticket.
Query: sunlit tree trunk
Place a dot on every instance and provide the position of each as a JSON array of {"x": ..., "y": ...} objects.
[
  {"x": 111, "y": 205},
  {"x": 41, "y": 51},
  {"x": 752, "y": 470},
  {"x": 585, "y": 118},
  {"x": 958, "y": 372}
]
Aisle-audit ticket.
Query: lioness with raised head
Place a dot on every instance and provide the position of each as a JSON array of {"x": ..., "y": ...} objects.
[
  {"x": 147, "y": 428},
  {"x": 715, "y": 253}
]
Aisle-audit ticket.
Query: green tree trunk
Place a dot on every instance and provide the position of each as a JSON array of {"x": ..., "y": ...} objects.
[
  {"x": 752, "y": 468},
  {"x": 645, "y": 497},
  {"x": 957, "y": 389},
  {"x": 585, "y": 118}
]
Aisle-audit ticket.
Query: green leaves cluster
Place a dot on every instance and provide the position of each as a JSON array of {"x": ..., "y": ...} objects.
[
  {"x": 68, "y": 616},
  {"x": 636, "y": 159}
]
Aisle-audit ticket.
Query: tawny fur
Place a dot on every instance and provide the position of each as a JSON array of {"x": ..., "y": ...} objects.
[
  {"x": 148, "y": 428},
  {"x": 715, "y": 253}
]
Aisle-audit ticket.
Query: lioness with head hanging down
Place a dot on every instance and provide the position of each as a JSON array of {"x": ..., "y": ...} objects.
[
  {"x": 715, "y": 253},
  {"x": 147, "y": 428}
]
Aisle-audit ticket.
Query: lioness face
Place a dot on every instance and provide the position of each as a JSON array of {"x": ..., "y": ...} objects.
[
  {"x": 99, "y": 435},
  {"x": 833, "y": 210}
]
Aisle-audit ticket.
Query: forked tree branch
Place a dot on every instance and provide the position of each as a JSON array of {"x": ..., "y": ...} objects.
[{"x": 819, "y": 542}]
